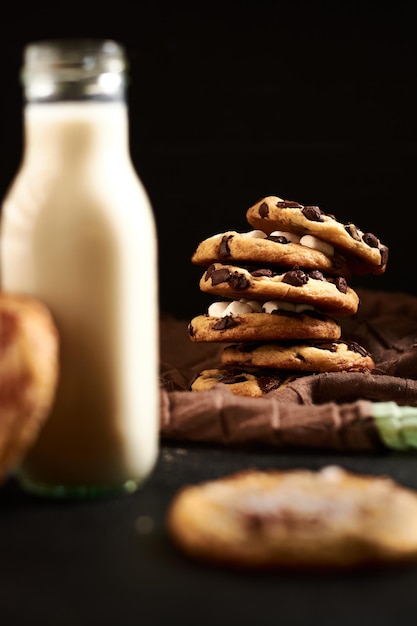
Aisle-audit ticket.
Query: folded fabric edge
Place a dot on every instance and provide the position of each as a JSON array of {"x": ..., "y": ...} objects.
[{"x": 220, "y": 417}]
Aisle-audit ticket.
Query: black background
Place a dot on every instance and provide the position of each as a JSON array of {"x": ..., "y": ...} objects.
[{"x": 230, "y": 101}]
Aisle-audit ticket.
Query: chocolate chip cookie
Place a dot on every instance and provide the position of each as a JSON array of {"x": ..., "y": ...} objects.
[
  {"x": 237, "y": 321},
  {"x": 250, "y": 382},
  {"x": 278, "y": 248},
  {"x": 363, "y": 251},
  {"x": 328, "y": 294},
  {"x": 317, "y": 356}
]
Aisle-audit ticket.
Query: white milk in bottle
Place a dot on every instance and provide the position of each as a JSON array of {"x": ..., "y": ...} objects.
[{"x": 78, "y": 233}]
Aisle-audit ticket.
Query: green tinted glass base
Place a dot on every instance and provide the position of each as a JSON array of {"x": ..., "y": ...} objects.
[
  {"x": 397, "y": 425},
  {"x": 58, "y": 491}
]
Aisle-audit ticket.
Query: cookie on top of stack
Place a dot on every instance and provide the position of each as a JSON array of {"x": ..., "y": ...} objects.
[{"x": 280, "y": 290}]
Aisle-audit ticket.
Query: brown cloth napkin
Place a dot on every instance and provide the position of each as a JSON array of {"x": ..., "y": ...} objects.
[{"x": 328, "y": 411}]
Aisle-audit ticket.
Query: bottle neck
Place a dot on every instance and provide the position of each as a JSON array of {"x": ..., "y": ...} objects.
[{"x": 75, "y": 130}]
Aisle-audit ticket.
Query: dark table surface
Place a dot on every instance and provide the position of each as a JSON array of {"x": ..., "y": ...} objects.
[{"x": 110, "y": 562}]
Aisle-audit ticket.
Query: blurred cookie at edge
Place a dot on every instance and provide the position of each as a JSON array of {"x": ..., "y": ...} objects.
[{"x": 29, "y": 371}]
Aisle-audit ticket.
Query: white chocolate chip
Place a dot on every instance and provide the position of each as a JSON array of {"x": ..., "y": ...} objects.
[
  {"x": 217, "y": 309},
  {"x": 255, "y": 234},
  {"x": 299, "y": 308},
  {"x": 317, "y": 244},
  {"x": 255, "y": 305},
  {"x": 277, "y": 305},
  {"x": 293, "y": 237},
  {"x": 269, "y": 306},
  {"x": 237, "y": 308}
]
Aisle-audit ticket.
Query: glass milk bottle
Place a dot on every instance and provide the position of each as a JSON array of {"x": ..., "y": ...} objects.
[{"x": 78, "y": 233}]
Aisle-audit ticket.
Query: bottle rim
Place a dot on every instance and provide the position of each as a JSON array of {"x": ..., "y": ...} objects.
[
  {"x": 71, "y": 50},
  {"x": 52, "y": 67}
]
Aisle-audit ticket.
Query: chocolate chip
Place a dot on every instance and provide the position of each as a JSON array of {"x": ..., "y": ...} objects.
[
  {"x": 316, "y": 275},
  {"x": 211, "y": 268},
  {"x": 384, "y": 254},
  {"x": 371, "y": 240},
  {"x": 219, "y": 276},
  {"x": 285, "y": 313},
  {"x": 190, "y": 330},
  {"x": 259, "y": 273},
  {"x": 225, "y": 322},
  {"x": 312, "y": 213},
  {"x": 224, "y": 249},
  {"x": 268, "y": 383},
  {"x": 231, "y": 379},
  {"x": 263, "y": 210},
  {"x": 355, "y": 347},
  {"x": 239, "y": 281},
  {"x": 288, "y": 204},
  {"x": 341, "y": 284},
  {"x": 327, "y": 345},
  {"x": 300, "y": 357},
  {"x": 277, "y": 238},
  {"x": 353, "y": 231},
  {"x": 296, "y": 278}
]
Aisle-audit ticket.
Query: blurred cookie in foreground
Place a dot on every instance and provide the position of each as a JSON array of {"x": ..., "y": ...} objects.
[
  {"x": 250, "y": 382},
  {"x": 318, "y": 356},
  {"x": 297, "y": 519},
  {"x": 29, "y": 367}
]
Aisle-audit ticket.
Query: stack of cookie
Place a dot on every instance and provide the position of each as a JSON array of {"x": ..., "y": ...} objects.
[{"x": 280, "y": 290}]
